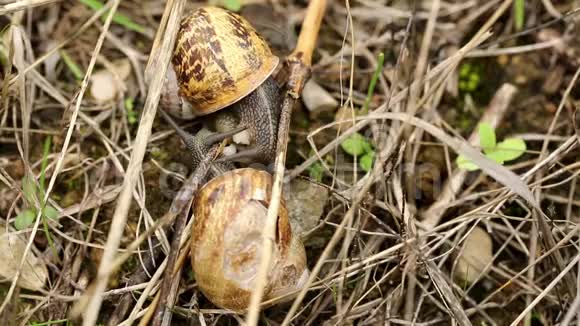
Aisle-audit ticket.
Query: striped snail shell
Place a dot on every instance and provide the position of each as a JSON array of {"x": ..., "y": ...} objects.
[
  {"x": 219, "y": 58},
  {"x": 219, "y": 62}
]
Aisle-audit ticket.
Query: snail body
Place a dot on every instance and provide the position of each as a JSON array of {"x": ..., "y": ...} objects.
[
  {"x": 198, "y": 146},
  {"x": 230, "y": 213},
  {"x": 220, "y": 62}
]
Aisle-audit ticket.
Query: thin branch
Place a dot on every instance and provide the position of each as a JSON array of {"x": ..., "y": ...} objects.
[{"x": 298, "y": 66}]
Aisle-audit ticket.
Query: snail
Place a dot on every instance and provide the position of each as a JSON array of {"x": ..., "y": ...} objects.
[
  {"x": 230, "y": 213},
  {"x": 223, "y": 67},
  {"x": 198, "y": 146}
]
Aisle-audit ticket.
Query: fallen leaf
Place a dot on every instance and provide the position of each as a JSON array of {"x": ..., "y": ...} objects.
[
  {"x": 476, "y": 254},
  {"x": 12, "y": 245}
]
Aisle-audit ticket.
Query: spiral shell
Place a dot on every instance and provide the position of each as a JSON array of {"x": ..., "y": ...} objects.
[
  {"x": 230, "y": 214},
  {"x": 219, "y": 58}
]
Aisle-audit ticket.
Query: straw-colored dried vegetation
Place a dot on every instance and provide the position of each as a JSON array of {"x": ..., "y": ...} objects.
[{"x": 406, "y": 236}]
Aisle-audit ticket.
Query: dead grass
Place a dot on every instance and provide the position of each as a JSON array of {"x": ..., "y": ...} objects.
[{"x": 387, "y": 248}]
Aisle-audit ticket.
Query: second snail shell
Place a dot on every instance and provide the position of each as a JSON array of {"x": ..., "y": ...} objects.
[{"x": 230, "y": 213}]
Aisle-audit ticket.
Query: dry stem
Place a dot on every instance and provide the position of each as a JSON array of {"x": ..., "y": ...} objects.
[
  {"x": 120, "y": 216},
  {"x": 297, "y": 67}
]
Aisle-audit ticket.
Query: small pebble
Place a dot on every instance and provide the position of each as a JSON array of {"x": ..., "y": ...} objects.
[
  {"x": 305, "y": 202},
  {"x": 317, "y": 99}
]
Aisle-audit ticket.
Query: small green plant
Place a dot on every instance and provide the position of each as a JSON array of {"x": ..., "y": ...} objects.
[
  {"x": 507, "y": 150},
  {"x": 34, "y": 193},
  {"x": 366, "y": 161},
  {"x": 316, "y": 171},
  {"x": 117, "y": 18},
  {"x": 469, "y": 77},
  {"x": 358, "y": 146},
  {"x": 129, "y": 108},
  {"x": 373, "y": 83}
]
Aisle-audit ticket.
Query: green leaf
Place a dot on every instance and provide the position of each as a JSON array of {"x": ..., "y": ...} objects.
[
  {"x": 54, "y": 322},
  {"x": 519, "y": 14},
  {"x": 509, "y": 149},
  {"x": 466, "y": 164},
  {"x": 117, "y": 18},
  {"x": 71, "y": 65},
  {"x": 316, "y": 171},
  {"x": 131, "y": 114},
  {"x": 50, "y": 212},
  {"x": 373, "y": 83},
  {"x": 233, "y": 5},
  {"x": 495, "y": 157},
  {"x": 366, "y": 161},
  {"x": 464, "y": 70},
  {"x": 356, "y": 145},
  {"x": 486, "y": 137},
  {"x": 24, "y": 219},
  {"x": 368, "y": 148}
]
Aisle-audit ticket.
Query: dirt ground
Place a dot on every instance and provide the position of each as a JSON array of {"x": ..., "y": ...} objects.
[{"x": 431, "y": 167}]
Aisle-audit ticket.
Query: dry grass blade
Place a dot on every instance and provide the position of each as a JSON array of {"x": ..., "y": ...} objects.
[
  {"x": 412, "y": 107},
  {"x": 573, "y": 311},
  {"x": 550, "y": 286},
  {"x": 396, "y": 99},
  {"x": 162, "y": 309},
  {"x": 446, "y": 293},
  {"x": 24, "y": 4},
  {"x": 298, "y": 65},
  {"x": 496, "y": 171},
  {"x": 493, "y": 115},
  {"x": 377, "y": 169},
  {"x": 547, "y": 237},
  {"x": 576, "y": 121},
  {"x": 120, "y": 216},
  {"x": 66, "y": 143}
]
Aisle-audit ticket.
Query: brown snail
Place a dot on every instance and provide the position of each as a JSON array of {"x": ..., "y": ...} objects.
[
  {"x": 230, "y": 212},
  {"x": 199, "y": 145},
  {"x": 220, "y": 62}
]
